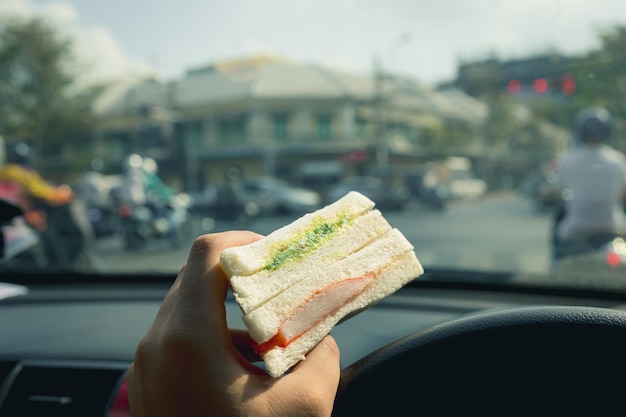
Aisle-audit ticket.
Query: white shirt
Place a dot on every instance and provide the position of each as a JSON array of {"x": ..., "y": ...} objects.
[{"x": 592, "y": 179}]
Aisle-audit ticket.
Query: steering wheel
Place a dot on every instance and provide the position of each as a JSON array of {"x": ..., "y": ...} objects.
[{"x": 534, "y": 361}]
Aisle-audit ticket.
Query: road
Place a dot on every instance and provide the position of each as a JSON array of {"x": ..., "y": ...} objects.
[{"x": 498, "y": 233}]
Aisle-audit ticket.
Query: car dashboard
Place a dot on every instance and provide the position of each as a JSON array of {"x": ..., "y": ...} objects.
[{"x": 65, "y": 345}]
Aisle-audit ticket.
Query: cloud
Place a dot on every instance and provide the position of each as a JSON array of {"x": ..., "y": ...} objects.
[{"x": 99, "y": 55}]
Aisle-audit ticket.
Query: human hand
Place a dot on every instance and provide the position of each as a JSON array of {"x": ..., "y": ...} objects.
[{"x": 190, "y": 364}]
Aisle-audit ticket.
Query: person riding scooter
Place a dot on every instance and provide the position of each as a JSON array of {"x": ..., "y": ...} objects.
[
  {"x": 146, "y": 204},
  {"x": 49, "y": 209},
  {"x": 160, "y": 198},
  {"x": 591, "y": 181},
  {"x": 24, "y": 185}
]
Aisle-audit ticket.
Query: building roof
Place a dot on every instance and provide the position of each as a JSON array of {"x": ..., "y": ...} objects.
[{"x": 274, "y": 78}]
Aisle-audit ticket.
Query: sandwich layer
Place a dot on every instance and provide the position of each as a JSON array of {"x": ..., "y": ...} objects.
[
  {"x": 252, "y": 290},
  {"x": 295, "y": 239},
  {"x": 279, "y": 359},
  {"x": 295, "y": 310}
]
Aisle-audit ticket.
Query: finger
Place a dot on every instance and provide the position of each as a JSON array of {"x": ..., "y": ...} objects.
[
  {"x": 202, "y": 286},
  {"x": 202, "y": 276},
  {"x": 169, "y": 300}
]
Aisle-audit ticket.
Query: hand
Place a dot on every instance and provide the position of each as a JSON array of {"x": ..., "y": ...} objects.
[{"x": 190, "y": 364}]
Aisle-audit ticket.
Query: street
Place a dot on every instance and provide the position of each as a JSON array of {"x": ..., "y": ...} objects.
[{"x": 498, "y": 233}]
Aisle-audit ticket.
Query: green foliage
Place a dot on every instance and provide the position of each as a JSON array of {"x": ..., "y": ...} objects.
[
  {"x": 601, "y": 77},
  {"x": 39, "y": 101}
]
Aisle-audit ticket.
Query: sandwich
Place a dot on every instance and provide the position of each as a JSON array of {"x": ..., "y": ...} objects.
[{"x": 295, "y": 284}]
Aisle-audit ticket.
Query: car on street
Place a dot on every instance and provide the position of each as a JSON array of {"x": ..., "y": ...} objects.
[
  {"x": 275, "y": 196},
  {"x": 202, "y": 201},
  {"x": 387, "y": 196}
]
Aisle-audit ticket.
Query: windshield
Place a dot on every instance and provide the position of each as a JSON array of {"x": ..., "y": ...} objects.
[{"x": 130, "y": 128}]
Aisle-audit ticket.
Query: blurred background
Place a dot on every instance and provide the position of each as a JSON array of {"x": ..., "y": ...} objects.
[{"x": 422, "y": 106}]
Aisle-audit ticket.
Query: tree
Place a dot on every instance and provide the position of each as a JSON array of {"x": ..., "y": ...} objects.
[
  {"x": 601, "y": 77},
  {"x": 39, "y": 101}
]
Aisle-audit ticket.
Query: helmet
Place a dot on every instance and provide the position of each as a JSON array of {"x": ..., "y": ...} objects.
[
  {"x": 150, "y": 166},
  {"x": 96, "y": 165},
  {"x": 131, "y": 163},
  {"x": 19, "y": 153},
  {"x": 593, "y": 124}
]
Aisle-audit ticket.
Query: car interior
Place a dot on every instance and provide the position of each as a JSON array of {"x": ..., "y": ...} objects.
[{"x": 438, "y": 346}]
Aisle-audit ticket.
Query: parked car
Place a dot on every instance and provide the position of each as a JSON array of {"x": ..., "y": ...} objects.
[
  {"x": 463, "y": 183},
  {"x": 386, "y": 196},
  {"x": 426, "y": 186},
  {"x": 202, "y": 201},
  {"x": 275, "y": 196}
]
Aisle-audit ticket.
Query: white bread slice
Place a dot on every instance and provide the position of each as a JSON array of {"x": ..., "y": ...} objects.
[
  {"x": 249, "y": 259},
  {"x": 252, "y": 290},
  {"x": 278, "y": 360},
  {"x": 264, "y": 322}
]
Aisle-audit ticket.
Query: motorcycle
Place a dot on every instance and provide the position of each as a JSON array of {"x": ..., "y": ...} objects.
[
  {"x": 602, "y": 252},
  {"x": 104, "y": 220},
  {"x": 48, "y": 237},
  {"x": 591, "y": 250},
  {"x": 15, "y": 235},
  {"x": 140, "y": 224}
]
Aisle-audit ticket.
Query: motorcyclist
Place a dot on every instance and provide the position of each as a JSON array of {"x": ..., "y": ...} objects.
[
  {"x": 156, "y": 190},
  {"x": 141, "y": 186},
  {"x": 22, "y": 184},
  {"x": 160, "y": 198},
  {"x": 133, "y": 188},
  {"x": 591, "y": 181},
  {"x": 50, "y": 209}
]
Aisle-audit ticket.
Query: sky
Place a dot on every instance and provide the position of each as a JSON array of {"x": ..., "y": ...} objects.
[{"x": 421, "y": 39}]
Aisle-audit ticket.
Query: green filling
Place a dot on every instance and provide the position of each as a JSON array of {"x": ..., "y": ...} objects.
[{"x": 307, "y": 241}]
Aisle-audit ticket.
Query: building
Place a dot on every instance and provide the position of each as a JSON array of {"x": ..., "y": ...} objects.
[{"x": 268, "y": 115}]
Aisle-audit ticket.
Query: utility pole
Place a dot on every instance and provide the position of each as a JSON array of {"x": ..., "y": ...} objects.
[
  {"x": 382, "y": 156},
  {"x": 380, "y": 140}
]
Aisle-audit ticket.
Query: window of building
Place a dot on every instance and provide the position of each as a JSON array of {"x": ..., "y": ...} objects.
[
  {"x": 194, "y": 133},
  {"x": 324, "y": 130},
  {"x": 360, "y": 127},
  {"x": 281, "y": 126},
  {"x": 232, "y": 130}
]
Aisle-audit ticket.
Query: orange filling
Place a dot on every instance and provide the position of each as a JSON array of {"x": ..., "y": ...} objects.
[{"x": 322, "y": 303}]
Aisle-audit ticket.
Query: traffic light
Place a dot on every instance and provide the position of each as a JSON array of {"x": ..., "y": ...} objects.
[
  {"x": 568, "y": 85},
  {"x": 565, "y": 85},
  {"x": 540, "y": 85},
  {"x": 514, "y": 86}
]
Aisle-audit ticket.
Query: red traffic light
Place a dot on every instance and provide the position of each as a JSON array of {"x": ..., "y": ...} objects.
[
  {"x": 540, "y": 85},
  {"x": 568, "y": 85},
  {"x": 514, "y": 86}
]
